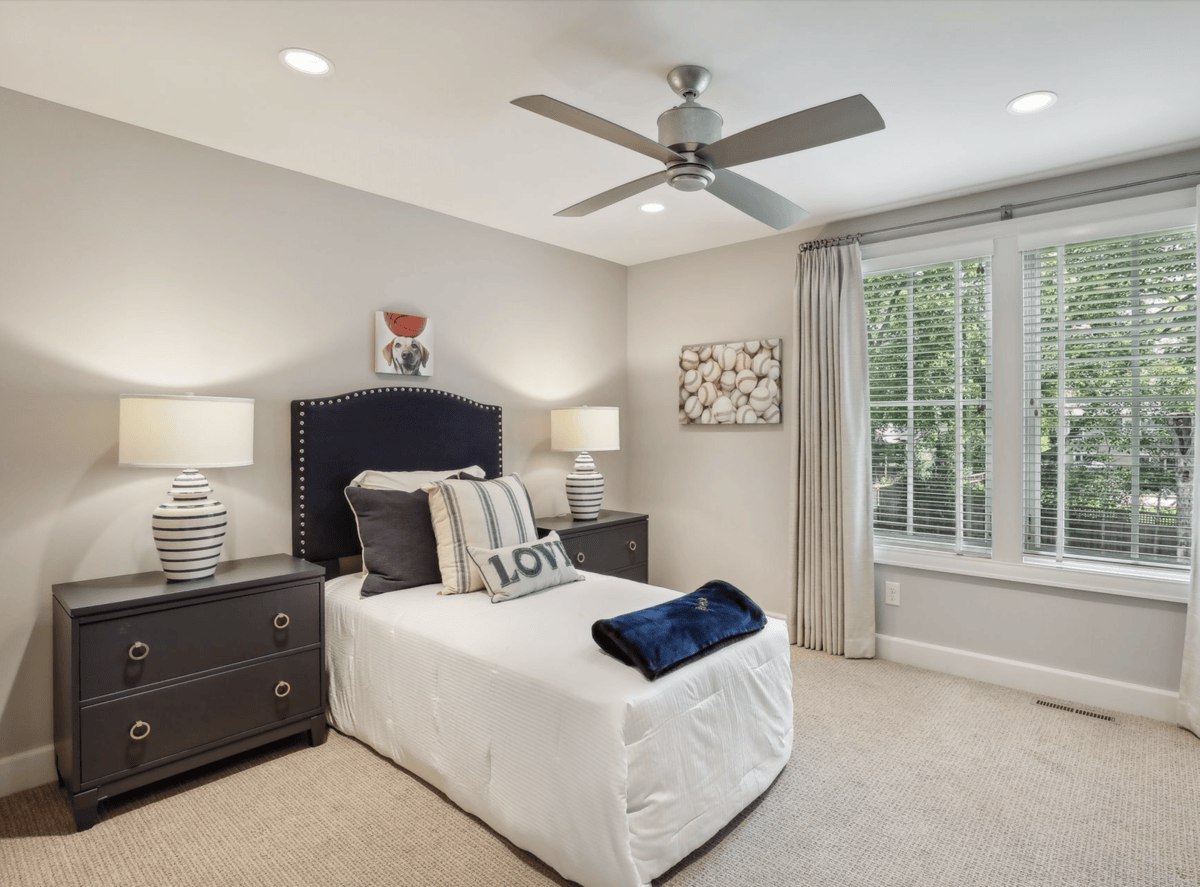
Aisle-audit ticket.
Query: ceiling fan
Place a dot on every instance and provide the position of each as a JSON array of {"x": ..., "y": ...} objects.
[{"x": 697, "y": 158}]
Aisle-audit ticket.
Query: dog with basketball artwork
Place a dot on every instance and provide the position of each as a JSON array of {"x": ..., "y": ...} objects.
[{"x": 403, "y": 344}]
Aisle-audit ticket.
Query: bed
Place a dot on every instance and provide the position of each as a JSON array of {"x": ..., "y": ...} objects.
[{"x": 512, "y": 710}]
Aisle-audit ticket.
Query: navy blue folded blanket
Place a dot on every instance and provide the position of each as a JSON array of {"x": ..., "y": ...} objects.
[{"x": 661, "y": 638}]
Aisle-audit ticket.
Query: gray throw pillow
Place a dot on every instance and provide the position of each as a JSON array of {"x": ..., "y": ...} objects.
[{"x": 396, "y": 532}]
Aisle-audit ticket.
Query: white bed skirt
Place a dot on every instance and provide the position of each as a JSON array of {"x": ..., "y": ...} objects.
[{"x": 513, "y": 711}]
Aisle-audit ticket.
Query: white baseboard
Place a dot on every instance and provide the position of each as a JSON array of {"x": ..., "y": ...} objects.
[
  {"x": 27, "y": 769},
  {"x": 1085, "y": 689}
]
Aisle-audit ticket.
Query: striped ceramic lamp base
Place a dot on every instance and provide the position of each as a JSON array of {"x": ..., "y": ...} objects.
[
  {"x": 585, "y": 488},
  {"x": 189, "y": 528}
]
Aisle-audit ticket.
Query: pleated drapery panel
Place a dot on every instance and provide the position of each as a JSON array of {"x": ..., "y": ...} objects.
[
  {"x": 1189, "y": 679},
  {"x": 834, "y": 549}
]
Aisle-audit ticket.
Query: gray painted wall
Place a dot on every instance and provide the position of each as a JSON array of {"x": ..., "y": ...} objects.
[
  {"x": 718, "y": 497},
  {"x": 134, "y": 262},
  {"x": 1122, "y": 638}
]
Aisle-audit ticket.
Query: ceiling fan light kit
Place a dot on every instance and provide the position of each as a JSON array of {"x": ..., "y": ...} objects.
[{"x": 696, "y": 155}]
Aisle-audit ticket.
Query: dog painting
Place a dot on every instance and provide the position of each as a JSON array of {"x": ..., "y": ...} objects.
[{"x": 403, "y": 344}]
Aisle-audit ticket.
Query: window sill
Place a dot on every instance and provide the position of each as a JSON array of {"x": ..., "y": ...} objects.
[{"x": 1115, "y": 579}]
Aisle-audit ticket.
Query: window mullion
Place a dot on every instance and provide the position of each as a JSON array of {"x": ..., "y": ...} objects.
[
  {"x": 1135, "y": 409},
  {"x": 1060, "y": 531},
  {"x": 911, "y": 449},
  {"x": 1005, "y": 402},
  {"x": 958, "y": 411},
  {"x": 1034, "y": 355}
]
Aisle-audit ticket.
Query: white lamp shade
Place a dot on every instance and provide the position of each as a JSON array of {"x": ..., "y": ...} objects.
[
  {"x": 585, "y": 428},
  {"x": 186, "y": 431}
]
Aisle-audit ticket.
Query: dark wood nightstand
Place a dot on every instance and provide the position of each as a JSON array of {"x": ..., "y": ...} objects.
[
  {"x": 152, "y": 678},
  {"x": 615, "y": 543}
]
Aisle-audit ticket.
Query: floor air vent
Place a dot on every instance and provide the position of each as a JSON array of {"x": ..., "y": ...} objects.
[{"x": 1075, "y": 711}]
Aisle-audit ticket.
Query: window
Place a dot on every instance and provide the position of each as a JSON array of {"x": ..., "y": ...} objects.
[
  {"x": 1036, "y": 408},
  {"x": 1110, "y": 398},
  {"x": 929, "y": 347}
]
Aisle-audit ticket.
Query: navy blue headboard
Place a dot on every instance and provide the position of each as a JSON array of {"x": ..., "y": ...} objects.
[{"x": 388, "y": 429}]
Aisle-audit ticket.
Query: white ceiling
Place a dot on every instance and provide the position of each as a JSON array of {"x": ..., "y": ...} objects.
[{"x": 418, "y": 107}]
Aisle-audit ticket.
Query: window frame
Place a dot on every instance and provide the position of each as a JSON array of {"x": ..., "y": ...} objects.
[
  {"x": 1064, "y": 336},
  {"x": 1005, "y": 241},
  {"x": 958, "y": 543}
]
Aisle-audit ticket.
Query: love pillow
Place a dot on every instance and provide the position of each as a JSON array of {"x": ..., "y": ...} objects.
[{"x": 524, "y": 568}]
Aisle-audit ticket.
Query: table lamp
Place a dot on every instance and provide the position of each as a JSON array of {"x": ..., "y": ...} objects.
[
  {"x": 188, "y": 432},
  {"x": 580, "y": 429}
]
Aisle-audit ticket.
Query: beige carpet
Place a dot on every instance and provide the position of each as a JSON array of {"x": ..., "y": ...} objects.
[{"x": 899, "y": 777}]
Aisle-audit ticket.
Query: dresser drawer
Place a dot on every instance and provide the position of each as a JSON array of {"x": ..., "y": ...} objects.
[
  {"x": 184, "y": 640},
  {"x": 609, "y": 549},
  {"x": 194, "y": 713}
]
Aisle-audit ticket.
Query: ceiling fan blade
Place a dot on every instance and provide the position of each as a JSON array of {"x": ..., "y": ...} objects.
[
  {"x": 597, "y": 126},
  {"x": 755, "y": 200},
  {"x": 637, "y": 186},
  {"x": 832, "y": 122}
]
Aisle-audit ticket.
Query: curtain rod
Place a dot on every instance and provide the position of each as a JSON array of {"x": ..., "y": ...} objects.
[
  {"x": 829, "y": 241},
  {"x": 1006, "y": 210}
]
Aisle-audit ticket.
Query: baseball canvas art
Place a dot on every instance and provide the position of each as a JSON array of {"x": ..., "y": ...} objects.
[
  {"x": 730, "y": 383},
  {"x": 403, "y": 344}
]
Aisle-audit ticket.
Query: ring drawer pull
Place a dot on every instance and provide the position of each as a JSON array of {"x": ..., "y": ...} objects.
[
  {"x": 139, "y": 731},
  {"x": 633, "y": 545},
  {"x": 580, "y": 558},
  {"x": 281, "y": 620},
  {"x": 138, "y": 651},
  {"x": 282, "y": 689}
]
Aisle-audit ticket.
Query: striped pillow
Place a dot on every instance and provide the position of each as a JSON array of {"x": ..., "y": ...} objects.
[{"x": 487, "y": 514}]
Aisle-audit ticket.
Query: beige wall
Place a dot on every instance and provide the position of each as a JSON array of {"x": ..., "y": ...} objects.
[
  {"x": 134, "y": 262},
  {"x": 718, "y": 497}
]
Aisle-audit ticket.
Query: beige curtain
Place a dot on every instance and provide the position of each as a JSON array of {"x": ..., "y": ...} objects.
[
  {"x": 1189, "y": 680},
  {"x": 834, "y": 566}
]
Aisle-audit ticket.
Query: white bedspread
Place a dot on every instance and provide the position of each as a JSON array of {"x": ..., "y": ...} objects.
[{"x": 513, "y": 711}]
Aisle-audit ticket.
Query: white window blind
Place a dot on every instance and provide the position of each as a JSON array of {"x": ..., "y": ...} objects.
[
  {"x": 1110, "y": 369},
  {"x": 929, "y": 348}
]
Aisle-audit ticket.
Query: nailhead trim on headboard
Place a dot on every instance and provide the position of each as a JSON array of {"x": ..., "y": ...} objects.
[{"x": 303, "y": 407}]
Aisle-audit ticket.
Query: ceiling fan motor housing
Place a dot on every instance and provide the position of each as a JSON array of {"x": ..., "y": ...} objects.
[{"x": 686, "y": 129}]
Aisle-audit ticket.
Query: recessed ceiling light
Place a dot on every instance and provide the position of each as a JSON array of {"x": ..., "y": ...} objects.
[
  {"x": 305, "y": 61},
  {"x": 1032, "y": 102},
  {"x": 652, "y": 207}
]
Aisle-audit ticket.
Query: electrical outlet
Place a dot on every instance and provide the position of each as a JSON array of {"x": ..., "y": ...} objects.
[{"x": 891, "y": 593}]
